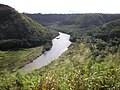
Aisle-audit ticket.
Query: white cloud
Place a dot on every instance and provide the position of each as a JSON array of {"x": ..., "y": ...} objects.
[{"x": 64, "y": 6}]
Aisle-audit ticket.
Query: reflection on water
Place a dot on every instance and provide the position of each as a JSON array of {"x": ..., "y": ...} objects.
[{"x": 60, "y": 45}]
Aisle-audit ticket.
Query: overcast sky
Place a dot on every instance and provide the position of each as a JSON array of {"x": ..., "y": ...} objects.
[{"x": 64, "y": 6}]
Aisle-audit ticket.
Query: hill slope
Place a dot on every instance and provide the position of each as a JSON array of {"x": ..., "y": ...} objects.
[
  {"x": 90, "y": 20},
  {"x": 48, "y": 19},
  {"x": 80, "y": 20},
  {"x": 19, "y": 31}
]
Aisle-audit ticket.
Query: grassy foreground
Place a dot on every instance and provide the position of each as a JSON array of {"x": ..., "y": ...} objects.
[
  {"x": 76, "y": 69},
  {"x": 13, "y": 60}
]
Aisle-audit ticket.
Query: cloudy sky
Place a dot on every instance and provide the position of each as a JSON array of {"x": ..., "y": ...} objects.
[{"x": 64, "y": 6}]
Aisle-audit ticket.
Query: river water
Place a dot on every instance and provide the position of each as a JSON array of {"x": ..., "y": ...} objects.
[{"x": 60, "y": 45}]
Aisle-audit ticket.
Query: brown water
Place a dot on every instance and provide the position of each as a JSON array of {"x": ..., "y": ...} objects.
[{"x": 60, "y": 45}]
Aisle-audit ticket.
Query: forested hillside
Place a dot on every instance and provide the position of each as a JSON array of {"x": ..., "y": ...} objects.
[
  {"x": 48, "y": 19},
  {"x": 19, "y": 31},
  {"x": 90, "y": 20}
]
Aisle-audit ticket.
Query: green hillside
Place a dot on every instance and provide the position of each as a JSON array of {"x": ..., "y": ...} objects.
[
  {"x": 90, "y": 20},
  {"x": 110, "y": 30},
  {"x": 19, "y": 31},
  {"x": 48, "y": 19}
]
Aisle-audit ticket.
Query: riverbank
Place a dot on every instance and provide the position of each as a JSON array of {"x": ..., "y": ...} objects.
[{"x": 13, "y": 60}]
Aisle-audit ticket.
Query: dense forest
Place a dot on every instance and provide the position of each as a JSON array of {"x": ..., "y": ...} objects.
[
  {"x": 92, "y": 61},
  {"x": 48, "y": 19}
]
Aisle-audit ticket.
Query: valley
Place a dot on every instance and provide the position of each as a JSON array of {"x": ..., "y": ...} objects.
[{"x": 92, "y": 61}]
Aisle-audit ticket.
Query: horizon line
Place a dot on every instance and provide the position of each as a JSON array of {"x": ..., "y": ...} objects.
[{"x": 67, "y": 13}]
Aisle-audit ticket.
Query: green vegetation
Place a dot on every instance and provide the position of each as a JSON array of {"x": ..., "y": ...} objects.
[
  {"x": 48, "y": 19},
  {"x": 19, "y": 31},
  {"x": 21, "y": 39},
  {"x": 14, "y": 59},
  {"x": 76, "y": 69},
  {"x": 88, "y": 21}
]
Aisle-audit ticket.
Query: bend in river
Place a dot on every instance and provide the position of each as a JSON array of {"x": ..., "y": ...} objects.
[{"x": 60, "y": 45}]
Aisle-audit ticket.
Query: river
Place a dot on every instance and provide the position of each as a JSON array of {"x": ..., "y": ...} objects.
[{"x": 60, "y": 45}]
